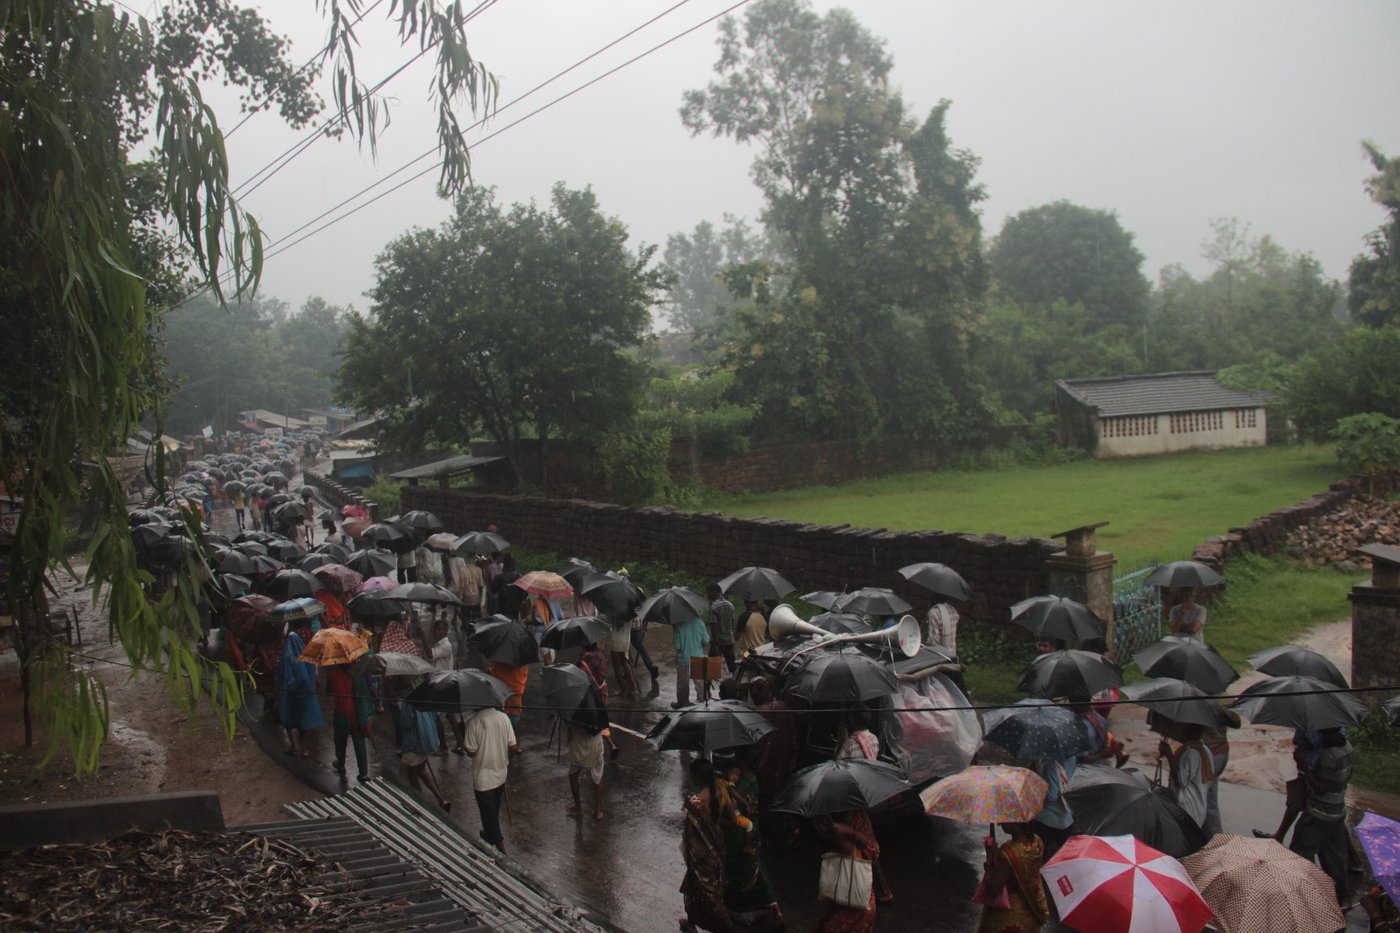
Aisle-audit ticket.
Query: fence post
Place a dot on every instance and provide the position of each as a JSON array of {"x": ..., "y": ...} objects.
[{"x": 1084, "y": 573}]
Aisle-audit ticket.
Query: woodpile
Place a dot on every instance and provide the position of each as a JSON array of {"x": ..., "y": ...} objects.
[
  {"x": 175, "y": 881},
  {"x": 1332, "y": 539}
]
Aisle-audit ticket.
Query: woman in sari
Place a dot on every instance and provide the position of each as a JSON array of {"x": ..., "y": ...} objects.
[
  {"x": 854, "y": 838},
  {"x": 297, "y": 707},
  {"x": 702, "y": 845},
  {"x": 747, "y": 890},
  {"x": 1011, "y": 893},
  {"x": 353, "y": 711}
]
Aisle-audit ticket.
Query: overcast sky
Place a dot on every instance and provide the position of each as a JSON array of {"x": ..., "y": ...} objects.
[{"x": 1169, "y": 114}]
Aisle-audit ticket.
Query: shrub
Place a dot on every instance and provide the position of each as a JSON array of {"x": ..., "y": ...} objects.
[{"x": 1368, "y": 443}]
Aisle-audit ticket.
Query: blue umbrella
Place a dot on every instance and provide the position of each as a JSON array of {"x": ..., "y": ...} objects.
[
  {"x": 1380, "y": 839},
  {"x": 1038, "y": 729}
]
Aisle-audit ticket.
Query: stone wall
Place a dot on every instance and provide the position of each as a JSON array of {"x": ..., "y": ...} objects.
[
  {"x": 338, "y": 495},
  {"x": 1001, "y": 571},
  {"x": 1266, "y": 535}
]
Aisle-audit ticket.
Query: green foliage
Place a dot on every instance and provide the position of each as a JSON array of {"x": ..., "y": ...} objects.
[
  {"x": 1358, "y": 373},
  {"x": 385, "y": 493},
  {"x": 1368, "y": 443},
  {"x": 995, "y": 655},
  {"x": 692, "y": 406},
  {"x": 635, "y": 464},
  {"x": 700, "y": 302},
  {"x": 1377, "y": 745},
  {"x": 1374, "y": 296},
  {"x": 516, "y": 323},
  {"x": 1070, "y": 254}
]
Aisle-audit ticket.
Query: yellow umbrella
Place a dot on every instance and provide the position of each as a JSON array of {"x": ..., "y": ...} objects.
[{"x": 333, "y": 646}]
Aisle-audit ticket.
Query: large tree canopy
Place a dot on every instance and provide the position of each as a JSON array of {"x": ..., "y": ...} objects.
[
  {"x": 1075, "y": 254},
  {"x": 513, "y": 322},
  {"x": 1375, "y": 274}
]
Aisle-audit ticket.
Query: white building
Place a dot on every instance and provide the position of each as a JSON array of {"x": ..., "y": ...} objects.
[{"x": 1137, "y": 416}]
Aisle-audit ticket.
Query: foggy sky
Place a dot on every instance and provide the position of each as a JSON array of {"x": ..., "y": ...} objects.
[{"x": 1169, "y": 114}]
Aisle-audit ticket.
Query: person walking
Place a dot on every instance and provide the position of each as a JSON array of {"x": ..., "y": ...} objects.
[
  {"x": 1321, "y": 832},
  {"x": 239, "y": 500},
  {"x": 419, "y": 733},
  {"x": 353, "y": 711},
  {"x": 639, "y": 645},
  {"x": 297, "y": 707},
  {"x": 754, "y": 631},
  {"x": 689, "y": 638},
  {"x": 1011, "y": 892},
  {"x": 721, "y": 626},
  {"x": 490, "y": 741}
]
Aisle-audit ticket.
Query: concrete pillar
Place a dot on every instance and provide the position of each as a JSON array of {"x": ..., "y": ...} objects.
[
  {"x": 1375, "y": 623},
  {"x": 1084, "y": 573}
]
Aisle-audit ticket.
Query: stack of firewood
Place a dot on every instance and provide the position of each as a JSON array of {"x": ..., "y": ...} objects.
[{"x": 1333, "y": 538}]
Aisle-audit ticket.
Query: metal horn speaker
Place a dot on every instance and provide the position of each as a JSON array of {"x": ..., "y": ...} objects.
[
  {"x": 906, "y": 636},
  {"x": 783, "y": 622}
]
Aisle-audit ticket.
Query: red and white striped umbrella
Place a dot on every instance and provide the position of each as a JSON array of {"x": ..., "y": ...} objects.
[{"x": 1116, "y": 884}]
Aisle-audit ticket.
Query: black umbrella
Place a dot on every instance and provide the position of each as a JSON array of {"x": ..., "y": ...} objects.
[
  {"x": 375, "y": 605},
  {"x": 574, "y": 570},
  {"x": 1177, "y": 700},
  {"x": 840, "y": 786},
  {"x": 673, "y": 605},
  {"x": 1113, "y": 802},
  {"x": 393, "y": 662},
  {"x": 938, "y": 578},
  {"x": 250, "y": 547},
  {"x": 235, "y": 485},
  {"x": 928, "y": 656},
  {"x": 842, "y": 676},
  {"x": 263, "y": 563},
  {"x": 842, "y": 623},
  {"x": 710, "y": 727},
  {"x": 151, "y": 533},
  {"x": 1184, "y": 573},
  {"x": 339, "y": 552},
  {"x": 1391, "y": 708},
  {"x": 420, "y": 592},
  {"x": 389, "y": 536},
  {"x": 462, "y": 689},
  {"x": 285, "y": 549},
  {"x": 275, "y": 478},
  {"x": 1069, "y": 674},
  {"x": 278, "y": 498},
  {"x": 1198, "y": 664},
  {"x": 291, "y": 583},
  {"x": 234, "y": 584},
  {"x": 570, "y": 691},
  {"x": 372, "y": 563},
  {"x": 1300, "y": 703},
  {"x": 611, "y": 593},
  {"x": 756, "y": 583},
  {"x": 1037, "y": 729},
  {"x": 481, "y": 542},
  {"x": 420, "y": 523},
  {"x": 289, "y": 513},
  {"x": 1290, "y": 659},
  {"x": 823, "y": 599},
  {"x": 233, "y": 561},
  {"x": 875, "y": 601},
  {"x": 1051, "y": 618},
  {"x": 159, "y": 514},
  {"x": 217, "y": 540},
  {"x": 576, "y": 632},
  {"x": 505, "y": 641},
  {"x": 317, "y": 559}
]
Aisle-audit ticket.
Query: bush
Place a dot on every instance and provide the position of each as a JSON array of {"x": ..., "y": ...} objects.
[
  {"x": 635, "y": 464},
  {"x": 385, "y": 493},
  {"x": 1368, "y": 443}
]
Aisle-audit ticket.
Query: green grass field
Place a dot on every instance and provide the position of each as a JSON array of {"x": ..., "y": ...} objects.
[{"x": 1158, "y": 508}]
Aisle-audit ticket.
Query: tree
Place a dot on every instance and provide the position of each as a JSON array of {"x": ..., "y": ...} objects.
[
  {"x": 517, "y": 323},
  {"x": 78, "y": 81},
  {"x": 1357, "y": 374},
  {"x": 699, "y": 302},
  {"x": 862, "y": 329},
  {"x": 1075, "y": 254},
  {"x": 1375, "y": 275}
]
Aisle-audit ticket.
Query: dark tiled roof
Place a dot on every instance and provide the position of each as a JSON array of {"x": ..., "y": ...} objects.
[{"x": 1159, "y": 393}]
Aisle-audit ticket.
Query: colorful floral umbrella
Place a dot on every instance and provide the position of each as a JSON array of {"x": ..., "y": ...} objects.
[
  {"x": 338, "y": 578},
  {"x": 1380, "y": 838},
  {"x": 987, "y": 794},
  {"x": 332, "y": 646},
  {"x": 372, "y": 584},
  {"x": 545, "y": 583},
  {"x": 1116, "y": 884},
  {"x": 1258, "y": 886}
]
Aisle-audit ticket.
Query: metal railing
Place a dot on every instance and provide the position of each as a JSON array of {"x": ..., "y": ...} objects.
[{"x": 1137, "y": 612}]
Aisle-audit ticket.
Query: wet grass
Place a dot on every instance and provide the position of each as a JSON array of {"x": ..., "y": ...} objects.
[{"x": 1158, "y": 508}]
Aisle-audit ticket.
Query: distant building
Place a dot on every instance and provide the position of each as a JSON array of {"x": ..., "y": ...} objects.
[{"x": 1137, "y": 416}]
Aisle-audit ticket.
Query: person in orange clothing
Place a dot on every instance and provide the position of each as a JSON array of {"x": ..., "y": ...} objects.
[
  {"x": 515, "y": 678},
  {"x": 337, "y": 616}
]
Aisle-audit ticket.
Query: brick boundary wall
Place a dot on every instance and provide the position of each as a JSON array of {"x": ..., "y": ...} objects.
[
  {"x": 1266, "y": 534},
  {"x": 338, "y": 495},
  {"x": 1000, "y": 570}
]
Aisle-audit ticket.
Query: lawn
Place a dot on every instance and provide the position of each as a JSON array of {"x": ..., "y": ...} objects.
[{"x": 1158, "y": 508}]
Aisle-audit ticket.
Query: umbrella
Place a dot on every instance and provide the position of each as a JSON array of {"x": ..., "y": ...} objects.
[
  {"x": 286, "y": 584},
  {"x": 443, "y": 542},
  {"x": 247, "y": 619},
  {"x": 1117, "y": 883},
  {"x": 576, "y": 632},
  {"x": 275, "y": 477},
  {"x": 938, "y": 578},
  {"x": 710, "y": 727},
  {"x": 235, "y": 485},
  {"x": 355, "y": 526},
  {"x": 232, "y": 561},
  {"x": 546, "y": 584},
  {"x": 1391, "y": 708},
  {"x": 289, "y": 513},
  {"x": 823, "y": 599},
  {"x": 1111, "y": 801},
  {"x": 1184, "y": 573},
  {"x": 481, "y": 542},
  {"x": 1069, "y": 673},
  {"x": 284, "y": 549},
  {"x": 505, "y": 641},
  {"x": 1177, "y": 700},
  {"x": 234, "y": 584},
  {"x": 372, "y": 584},
  {"x": 1300, "y": 703},
  {"x": 151, "y": 533},
  {"x": 262, "y": 563},
  {"x": 372, "y": 563},
  {"x": 316, "y": 559},
  {"x": 294, "y": 610},
  {"x": 338, "y": 578},
  {"x": 843, "y": 676},
  {"x": 570, "y": 690},
  {"x": 673, "y": 605},
  {"x": 874, "y": 601},
  {"x": 987, "y": 794},
  {"x": 1290, "y": 659},
  {"x": 425, "y": 593},
  {"x": 462, "y": 689},
  {"x": 842, "y": 623},
  {"x": 756, "y": 583},
  {"x": 574, "y": 569},
  {"x": 388, "y": 536},
  {"x": 1380, "y": 839},
  {"x": 1197, "y": 664},
  {"x": 375, "y": 605},
  {"x": 278, "y": 498},
  {"x": 840, "y": 786},
  {"x": 1056, "y": 617},
  {"x": 1037, "y": 729},
  {"x": 420, "y": 523},
  {"x": 611, "y": 592},
  {"x": 927, "y": 656},
  {"x": 333, "y": 646},
  {"x": 392, "y": 662},
  {"x": 340, "y": 552},
  {"x": 1258, "y": 886}
]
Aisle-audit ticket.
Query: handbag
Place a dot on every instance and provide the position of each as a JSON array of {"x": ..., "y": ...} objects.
[{"x": 845, "y": 881}]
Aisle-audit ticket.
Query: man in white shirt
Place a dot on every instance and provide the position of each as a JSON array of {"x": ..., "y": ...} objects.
[{"x": 490, "y": 740}]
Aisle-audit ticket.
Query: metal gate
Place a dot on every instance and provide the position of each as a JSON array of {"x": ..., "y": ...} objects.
[{"x": 1137, "y": 613}]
